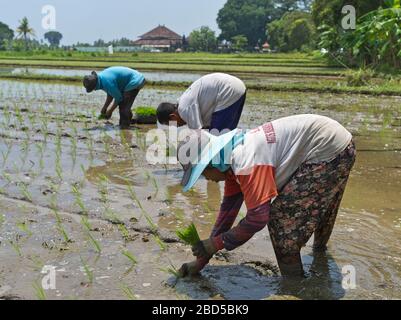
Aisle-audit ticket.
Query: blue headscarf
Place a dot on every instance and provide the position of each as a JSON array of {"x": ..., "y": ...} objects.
[{"x": 220, "y": 161}]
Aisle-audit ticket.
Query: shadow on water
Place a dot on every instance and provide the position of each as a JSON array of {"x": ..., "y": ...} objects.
[{"x": 235, "y": 282}]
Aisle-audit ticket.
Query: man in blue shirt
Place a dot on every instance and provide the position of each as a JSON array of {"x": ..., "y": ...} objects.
[{"x": 121, "y": 85}]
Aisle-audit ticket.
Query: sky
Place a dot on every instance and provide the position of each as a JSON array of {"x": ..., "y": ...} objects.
[{"x": 89, "y": 20}]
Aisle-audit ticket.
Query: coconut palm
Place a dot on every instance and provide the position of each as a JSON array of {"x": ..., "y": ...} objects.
[{"x": 25, "y": 31}]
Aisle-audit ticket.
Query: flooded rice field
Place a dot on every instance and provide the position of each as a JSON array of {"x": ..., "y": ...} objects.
[
  {"x": 250, "y": 79},
  {"x": 77, "y": 194}
]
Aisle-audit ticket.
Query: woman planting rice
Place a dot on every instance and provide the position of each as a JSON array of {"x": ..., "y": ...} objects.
[
  {"x": 291, "y": 173},
  {"x": 213, "y": 102}
]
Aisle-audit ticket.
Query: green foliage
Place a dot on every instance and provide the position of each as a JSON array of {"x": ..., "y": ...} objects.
[
  {"x": 203, "y": 39},
  {"x": 239, "y": 43},
  {"x": 246, "y": 17},
  {"x": 249, "y": 17},
  {"x": 189, "y": 235},
  {"x": 294, "y": 31},
  {"x": 329, "y": 11},
  {"x": 53, "y": 37},
  {"x": 375, "y": 43},
  {"x": 6, "y": 34},
  {"x": 377, "y": 38}
]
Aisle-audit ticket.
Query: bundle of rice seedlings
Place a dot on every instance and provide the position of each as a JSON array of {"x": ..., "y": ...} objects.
[{"x": 189, "y": 235}]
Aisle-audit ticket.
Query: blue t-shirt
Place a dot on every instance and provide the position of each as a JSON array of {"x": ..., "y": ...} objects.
[{"x": 117, "y": 80}]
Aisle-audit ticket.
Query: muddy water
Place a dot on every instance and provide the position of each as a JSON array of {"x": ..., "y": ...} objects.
[{"x": 52, "y": 142}]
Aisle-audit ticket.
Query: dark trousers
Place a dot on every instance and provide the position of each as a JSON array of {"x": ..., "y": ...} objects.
[{"x": 126, "y": 105}]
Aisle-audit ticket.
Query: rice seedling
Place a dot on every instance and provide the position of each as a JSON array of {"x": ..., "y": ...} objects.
[
  {"x": 133, "y": 194},
  {"x": 87, "y": 270},
  {"x": 32, "y": 119},
  {"x": 125, "y": 143},
  {"x": 58, "y": 145},
  {"x": 74, "y": 130},
  {"x": 124, "y": 231},
  {"x": 154, "y": 182},
  {"x": 37, "y": 262},
  {"x": 58, "y": 169},
  {"x": 189, "y": 235},
  {"x": 171, "y": 270},
  {"x": 7, "y": 116},
  {"x": 78, "y": 199},
  {"x": 16, "y": 246},
  {"x": 150, "y": 221},
  {"x": 134, "y": 197},
  {"x": 6, "y": 154},
  {"x": 83, "y": 170},
  {"x": 24, "y": 228},
  {"x": 127, "y": 291},
  {"x": 2, "y": 219},
  {"x": 41, "y": 148},
  {"x": 73, "y": 150},
  {"x": 130, "y": 256},
  {"x": 39, "y": 291},
  {"x": 19, "y": 116},
  {"x": 25, "y": 191},
  {"x": 60, "y": 228},
  {"x": 102, "y": 188},
  {"x": 24, "y": 152},
  {"x": 88, "y": 228},
  {"x": 160, "y": 242},
  {"x": 111, "y": 216}
]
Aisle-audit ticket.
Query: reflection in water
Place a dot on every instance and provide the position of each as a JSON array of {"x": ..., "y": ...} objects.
[
  {"x": 119, "y": 173},
  {"x": 204, "y": 207}
]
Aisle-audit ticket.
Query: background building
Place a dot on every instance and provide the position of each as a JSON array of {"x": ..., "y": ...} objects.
[{"x": 160, "y": 38}]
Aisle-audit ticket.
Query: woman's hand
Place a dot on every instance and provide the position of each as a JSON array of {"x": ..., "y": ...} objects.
[
  {"x": 204, "y": 249},
  {"x": 189, "y": 269},
  {"x": 192, "y": 268}
]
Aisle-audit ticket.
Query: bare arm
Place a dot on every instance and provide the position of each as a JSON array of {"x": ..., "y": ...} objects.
[
  {"x": 110, "y": 111},
  {"x": 109, "y": 99}
]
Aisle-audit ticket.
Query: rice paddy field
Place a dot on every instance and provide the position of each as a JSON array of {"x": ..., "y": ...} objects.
[{"x": 76, "y": 193}]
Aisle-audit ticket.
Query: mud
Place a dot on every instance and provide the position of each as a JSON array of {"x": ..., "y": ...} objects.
[{"x": 59, "y": 164}]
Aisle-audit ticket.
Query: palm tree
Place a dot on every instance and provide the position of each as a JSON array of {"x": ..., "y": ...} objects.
[{"x": 24, "y": 31}]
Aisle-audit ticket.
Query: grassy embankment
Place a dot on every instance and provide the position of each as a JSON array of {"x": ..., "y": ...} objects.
[{"x": 331, "y": 77}]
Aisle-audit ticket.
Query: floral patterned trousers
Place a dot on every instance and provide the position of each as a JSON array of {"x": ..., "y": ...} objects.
[{"x": 309, "y": 203}]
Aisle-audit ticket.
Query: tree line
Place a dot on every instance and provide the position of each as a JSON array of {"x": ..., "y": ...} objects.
[
  {"x": 24, "y": 37},
  {"x": 279, "y": 25}
]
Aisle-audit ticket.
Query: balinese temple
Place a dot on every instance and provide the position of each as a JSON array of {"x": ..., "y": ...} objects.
[{"x": 161, "y": 38}]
